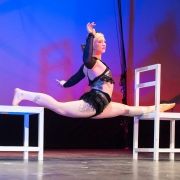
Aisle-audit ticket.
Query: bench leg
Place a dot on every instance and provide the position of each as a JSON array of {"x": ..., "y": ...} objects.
[
  {"x": 26, "y": 134},
  {"x": 172, "y": 139},
  {"x": 135, "y": 137},
  {"x": 41, "y": 135},
  {"x": 156, "y": 138}
]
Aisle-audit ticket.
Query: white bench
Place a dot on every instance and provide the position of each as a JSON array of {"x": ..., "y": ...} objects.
[{"x": 26, "y": 111}]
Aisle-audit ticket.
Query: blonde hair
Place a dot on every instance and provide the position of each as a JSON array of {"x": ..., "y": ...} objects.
[{"x": 97, "y": 35}]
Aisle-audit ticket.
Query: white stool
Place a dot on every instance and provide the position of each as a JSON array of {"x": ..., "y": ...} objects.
[
  {"x": 156, "y": 116},
  {"x": 26, "y": 111}
]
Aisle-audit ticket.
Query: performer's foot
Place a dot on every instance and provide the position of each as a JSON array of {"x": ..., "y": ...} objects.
[
  {"x": 165, "y": 107},
  {"x": 18, "y": 96}
]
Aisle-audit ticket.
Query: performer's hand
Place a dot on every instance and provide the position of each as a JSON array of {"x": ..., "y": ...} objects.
[
  {"x": 61, "y": 83},
  {"x": 90, "y": 28}
]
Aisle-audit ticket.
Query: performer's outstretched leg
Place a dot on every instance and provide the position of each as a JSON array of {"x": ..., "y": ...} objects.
[
  {"x": 70, "y": 109},
  {"x": 117, "y": 109},
  {"x": 82, "y": 109}
]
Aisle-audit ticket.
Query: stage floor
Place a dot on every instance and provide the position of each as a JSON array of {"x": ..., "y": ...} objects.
[{"x": 88, "y": 165}]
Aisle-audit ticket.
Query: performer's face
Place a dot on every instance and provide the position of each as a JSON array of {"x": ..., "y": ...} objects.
[{"x": 99, "y": 45}]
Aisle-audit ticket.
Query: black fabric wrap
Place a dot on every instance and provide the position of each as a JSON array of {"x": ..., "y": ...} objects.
[
  {"x": 88, "y": 60},
  {"x": 75, "y": 78},
  {"x": 97, "y": 99}
]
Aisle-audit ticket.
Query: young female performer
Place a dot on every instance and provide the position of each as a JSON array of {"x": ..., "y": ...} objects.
[{"x": 97, "y": 102}]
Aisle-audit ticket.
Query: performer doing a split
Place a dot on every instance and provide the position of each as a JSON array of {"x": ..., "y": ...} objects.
[{"x": 97, "y": 102}]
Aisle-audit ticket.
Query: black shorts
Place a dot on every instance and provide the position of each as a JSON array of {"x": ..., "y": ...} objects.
[{"x": 97, "y": 99}]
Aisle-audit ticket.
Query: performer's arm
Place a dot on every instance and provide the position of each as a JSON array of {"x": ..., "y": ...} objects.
[
  {"x": 88, "y": 60},
  {"x": 75, "y": 78}
]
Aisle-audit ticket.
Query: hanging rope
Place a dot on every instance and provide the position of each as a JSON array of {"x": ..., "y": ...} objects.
[{"x": 122, "y": 55}]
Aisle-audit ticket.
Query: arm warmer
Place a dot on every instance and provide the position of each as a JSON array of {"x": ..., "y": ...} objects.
[
  {"x": 89, "y": 62},
  {"x": 75, "y": 78}
]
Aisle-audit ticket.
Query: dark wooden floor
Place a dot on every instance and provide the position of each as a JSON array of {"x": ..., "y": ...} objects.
[{"x": 88, "y": 165}]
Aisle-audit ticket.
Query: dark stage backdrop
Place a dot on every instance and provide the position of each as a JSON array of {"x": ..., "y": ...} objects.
[
  {"x": 63, "y": 132},
  {"x": 40, "y": 41}
]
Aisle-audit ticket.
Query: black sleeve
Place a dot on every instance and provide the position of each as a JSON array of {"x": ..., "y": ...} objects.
[
  {"x": 89, "y": 62},
  {"x": 75, "y": 78}
]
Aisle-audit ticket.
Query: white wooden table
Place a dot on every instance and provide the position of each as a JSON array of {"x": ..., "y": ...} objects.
[{"x": 26, "y": 111}]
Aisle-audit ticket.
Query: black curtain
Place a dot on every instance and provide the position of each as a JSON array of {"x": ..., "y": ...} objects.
[{"x": 122, "y": 58}]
